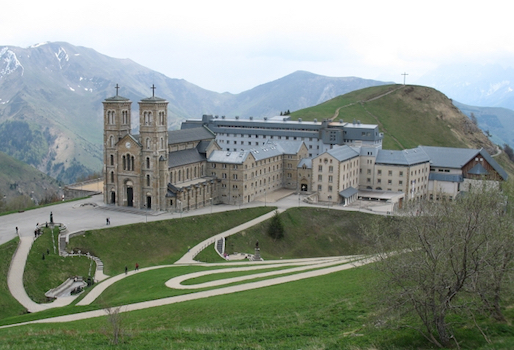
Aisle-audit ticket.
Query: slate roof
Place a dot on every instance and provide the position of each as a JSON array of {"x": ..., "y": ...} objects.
[
  {"x": 237, "y": 157},
  {"x": 445, "y": 177},
  {"x": 189, "y": 135},
  {"x": 117, "y": 98},
  {"x": 268, "y": 150},
  {"x": 342, "y": 153},
  {"x": 307, "y": 162},
  {"x": 183, "y": 157},
  {"x": 405, "y": 157},
  {"x": 202, "y": 146},
  {"x": 478, "y": 169},
  {"x": 447, "y": 157},
  {"x": 153, "y": 99},
  {"x": 348, "y": 192}
]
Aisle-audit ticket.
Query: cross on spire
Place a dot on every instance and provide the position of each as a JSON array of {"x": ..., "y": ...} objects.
[
  {"x": 116, "y": 87},
  {"x": 404, "y": 75},
  {"x": 153, "y": 90}
]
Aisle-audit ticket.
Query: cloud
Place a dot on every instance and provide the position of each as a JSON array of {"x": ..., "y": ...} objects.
[{"x": 233, "y": 45}]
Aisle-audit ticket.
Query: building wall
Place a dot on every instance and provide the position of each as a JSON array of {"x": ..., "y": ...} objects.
[{"x": 330, "y": 176}]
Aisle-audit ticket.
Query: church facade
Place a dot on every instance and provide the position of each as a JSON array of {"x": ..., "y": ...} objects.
[{"x": 157, "y": 169}]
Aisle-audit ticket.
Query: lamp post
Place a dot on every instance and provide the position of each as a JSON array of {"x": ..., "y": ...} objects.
[
  {"x": 146, "y": 213},
  {"x": 211, "y": 204}
]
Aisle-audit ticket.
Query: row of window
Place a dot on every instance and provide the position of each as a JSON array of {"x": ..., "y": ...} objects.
[
  {"x": 111, "y": 117},
  {"x": 148, "y": 118}
]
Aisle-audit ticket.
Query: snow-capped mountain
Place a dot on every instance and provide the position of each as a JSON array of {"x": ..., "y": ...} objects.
[{"x": 51, "y": 102}]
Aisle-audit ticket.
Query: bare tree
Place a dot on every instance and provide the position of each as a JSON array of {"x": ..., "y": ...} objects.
[
  {"x": 115, "y": 320},
  {"x": 445, "y": 257}
]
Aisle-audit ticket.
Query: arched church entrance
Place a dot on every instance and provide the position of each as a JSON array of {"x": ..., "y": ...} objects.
[
  {"x": 113, "y": 197},
  {"x": 130, "y": 197},
  {"x": 148, "y": 201},
  {"x": 304, "y": 187},
  {"x": 130, "y": 193}
]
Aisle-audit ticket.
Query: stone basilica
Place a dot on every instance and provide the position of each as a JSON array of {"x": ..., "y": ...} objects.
[{"x": 185, "y": 169}]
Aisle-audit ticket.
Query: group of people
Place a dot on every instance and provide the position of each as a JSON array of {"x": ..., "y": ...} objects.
[
  {"x": 37, "y": 232},
  {"x": 135, "y": 269}
]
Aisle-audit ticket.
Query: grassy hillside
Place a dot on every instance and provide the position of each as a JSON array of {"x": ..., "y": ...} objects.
[
  {"x": 407, "y": 115},
  {"x": 335, "y": 311},
  {"x": 18, "y": 178}
]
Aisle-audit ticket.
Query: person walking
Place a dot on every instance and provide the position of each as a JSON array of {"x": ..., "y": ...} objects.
[
  {"x": 126, "y": 270},
  {"x": 137, "y": 267}
]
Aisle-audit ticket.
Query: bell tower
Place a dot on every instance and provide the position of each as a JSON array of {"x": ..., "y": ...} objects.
[
  {"x": 153, "y": 129},
  {"x": 117, "y": 121}
]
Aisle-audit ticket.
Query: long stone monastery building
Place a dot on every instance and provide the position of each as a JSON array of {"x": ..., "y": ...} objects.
[{"x": 218, "y": 160}]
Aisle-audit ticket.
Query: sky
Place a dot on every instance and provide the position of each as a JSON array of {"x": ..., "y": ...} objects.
[{"x": 234, "y": 46}]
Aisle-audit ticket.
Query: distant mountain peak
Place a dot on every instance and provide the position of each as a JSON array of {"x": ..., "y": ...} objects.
[{"x": 9, "y": 62}]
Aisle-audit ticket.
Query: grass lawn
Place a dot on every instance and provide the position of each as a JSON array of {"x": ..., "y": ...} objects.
[
  {"x": 326, "y": 312},
  {"x": 336, "y": 311},
  {"x": 309, "y": 232},
  {"x": 41, "y": 275}
]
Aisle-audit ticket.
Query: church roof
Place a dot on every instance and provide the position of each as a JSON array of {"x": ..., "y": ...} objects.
[
  {"x": 183, "y": 157},
  {"x": 189, "y": 135},
  {"x": 202, "y": 146}
]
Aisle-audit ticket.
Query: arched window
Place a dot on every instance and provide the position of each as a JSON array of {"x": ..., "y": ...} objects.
[
  {"x": 148, "y": 162},
  {"x": 147, "y": 180},
  {"x": 147, "y": 143},
  {"x": 132, "y": 163},
  {"x": 187, "y": 174},
  {"x": 112, "y": 176},
  {"x": 111, "y": 141},
  {"x": 112, "y": 159},
  {"x": 180, "y": 175},
  {"x": 171, "y": 177},
  {"x": 128, "y": 162},
  {"x": 150, "y": 118},
  {"x": 162, "y": 143},
  {"x": 124, "y": 163}
]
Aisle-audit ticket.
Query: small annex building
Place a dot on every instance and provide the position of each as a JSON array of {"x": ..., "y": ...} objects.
[{"x": 456, "y": 169}]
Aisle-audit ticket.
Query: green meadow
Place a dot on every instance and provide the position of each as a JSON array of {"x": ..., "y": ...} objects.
[{"x": 335, "y": 311}]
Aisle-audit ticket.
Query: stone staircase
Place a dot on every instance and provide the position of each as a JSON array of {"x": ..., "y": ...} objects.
[
  {"x": 63, "y": 242},
  {"x": 220, "y": 246}
]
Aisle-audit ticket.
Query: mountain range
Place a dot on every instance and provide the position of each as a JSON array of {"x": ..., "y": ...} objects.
[
  {"x": 482, "y": 85},
  {"x": 51, "y": 102}
]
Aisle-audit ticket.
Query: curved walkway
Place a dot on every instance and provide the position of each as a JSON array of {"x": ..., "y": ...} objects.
[
  {"x": 343, "y": 265},
  {"x": 15, "y": 280}
]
